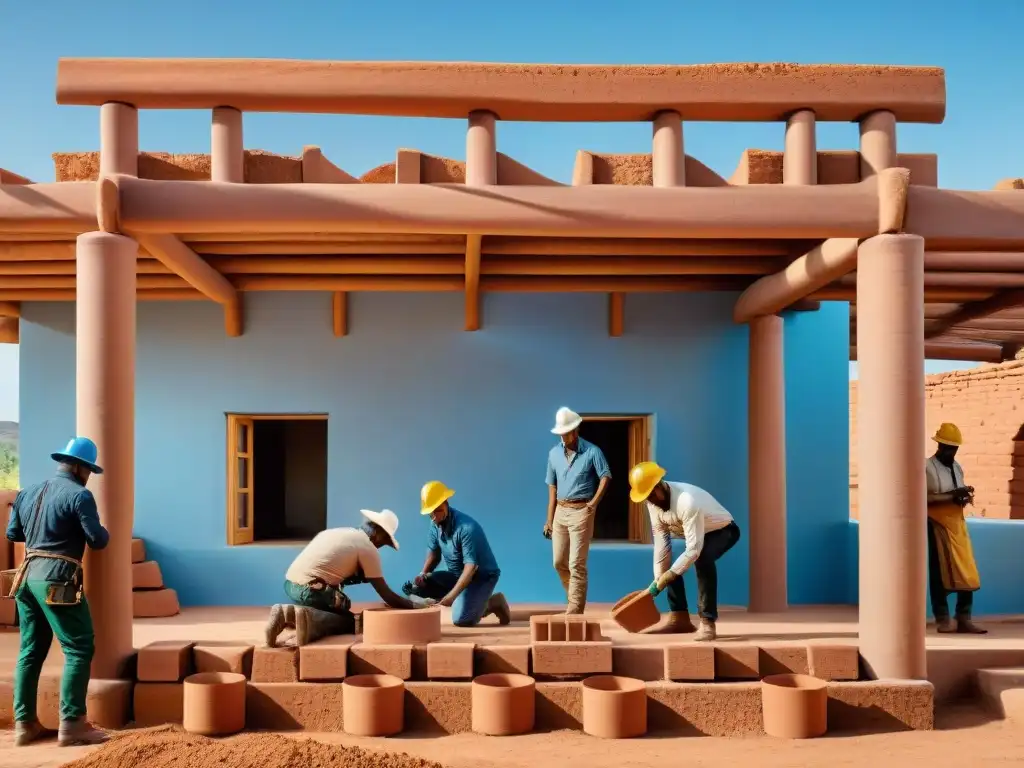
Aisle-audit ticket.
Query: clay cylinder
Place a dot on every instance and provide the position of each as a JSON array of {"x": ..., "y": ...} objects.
[
  {"x": 373, "y": 705},
  {"x": 384, "y": 626},
  {"x": 614, "y": 707},
  {"x": 214, "y": 703},
  {"x": 503, "y": 705},
  {"x": 794, "y": 706},
  {"x": 636, "y": 611}
]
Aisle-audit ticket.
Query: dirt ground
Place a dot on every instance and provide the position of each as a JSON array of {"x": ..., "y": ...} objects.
[{"x": 964, "y": 736}]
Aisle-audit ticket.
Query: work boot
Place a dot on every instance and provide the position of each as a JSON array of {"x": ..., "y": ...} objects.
[
  {"x": 275, "y": 625},
  {"x": 80, "y": 732},
  {"x": 706, "y": 632},
  {"x": 26, "y": 733},
  {"x": 965, "y": 626},
  {"x": 677, "y": 623},
  {"x": 498, "y": 605},
  {"x": 312, "y": 624},
  {"x": 945, "y": 625}
]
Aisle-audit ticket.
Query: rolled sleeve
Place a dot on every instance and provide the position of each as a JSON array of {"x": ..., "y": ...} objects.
[
  {"x": 601, "y": 468},
  {"x": 549, "y": 476},
  {"x": 467, "y": 544},
  {"x": 96, "y": 535},
  {"x": 432, "y": 543}
]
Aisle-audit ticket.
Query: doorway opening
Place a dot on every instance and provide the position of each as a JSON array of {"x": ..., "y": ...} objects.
[
  {"x": 277, "y": 478},
  {"x": 625, "y": 441}
]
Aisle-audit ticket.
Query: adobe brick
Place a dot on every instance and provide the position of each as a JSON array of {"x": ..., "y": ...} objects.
[
  {"x": 158, "y": 704},
  {"x": 540, "y": 629},
  {"x": 783, "y": 659},
  {"x": 564, "y": 658},
  {"x": 138, "y": 550},
  {"x": 575, "y": 629},
  {"x": 165, "y": 661},
  {"x": 450, "y": 661},
  {"x": 641, "y": 662},
  {"x": 393, "y": 660},
  {"x": 689, "y": 661},
  {"x": 834, "y": 662},
  {"x": 438, "y": 708},
  {"x": 275, "y": 665},
  {"x": 313, "y": 707},
  {"x": 506, "y": 659},
  {"x": 208, "y": 657},
  {"x": 326, "y": 659},
  {"x": 146, "y": 575},
  {"x": 737, "y": 662}
]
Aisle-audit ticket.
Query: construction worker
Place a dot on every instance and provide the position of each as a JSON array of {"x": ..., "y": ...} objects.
[
  {"x": 466, "y": 585},
  {"x": 684, "y": 511},
  {"x": 951, "y": 564},
  {"x": 56, "y": 520},
  {"x": 316, "y": 580},
  {"x": 577, "y": 477}
]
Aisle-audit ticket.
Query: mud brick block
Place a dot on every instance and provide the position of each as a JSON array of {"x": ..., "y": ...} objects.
[
  {"x": 881, "y": 705},
  {"x": 559, "y": 706},
  {"x": 710, "y": 709},
  {"x": 506, "y": 659},
  {"x": 8, "y": 612},
  {"x": 419, "y": 663},
  {"x": 642, "y": 662},
  {"x": 165, "y": 661},
  {"x": 393, "y": 660},
  {"x": 438, "y": 708},
  {"x": 834, "y": 662},
  {"x": 563, "y": 658},
  {"x": 155, "y": 603},
  {"x": 737, "y": 662},
  {"x": 275, "y": 665},
  {"x": 208, "y": 657},
  {"x": 594, "y": 631},
  {"x": 158, "y": 704},
  {"x": 326, "y": 659},
  {"x": 540, "y": 629},
  {"x": 314, "y": 707},
  {"x": 783, "y": 659},
  {"x": 575, "y": 629},
  {"x": 450, "y": 661},
  {"x": 689, "y": 662},
  {"x": 556, "y": 628},
  {"x": 138, "y": 551},
  {"x": 146, "y": 575}
]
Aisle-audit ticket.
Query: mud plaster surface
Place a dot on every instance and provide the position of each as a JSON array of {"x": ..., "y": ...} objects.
[{"x": 965, "y": 738}]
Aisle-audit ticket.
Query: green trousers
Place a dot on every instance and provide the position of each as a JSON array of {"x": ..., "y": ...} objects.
[{"x": 39, "y": 622}]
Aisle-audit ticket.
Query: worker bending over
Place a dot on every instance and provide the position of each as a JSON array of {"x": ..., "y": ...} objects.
[
  {"x": 684, "y": 511},
  {"x": 466, "y": 585},
  {"x": 56, "y": 520},
  {"x": 951, "y": 564},
  {"x": 316, "y": 580}
]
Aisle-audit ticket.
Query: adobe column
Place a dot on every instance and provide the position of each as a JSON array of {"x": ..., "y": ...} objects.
[
  {"x": 481, "y": 171},
  {"x": 766, "y": 416},
  {"x": 105, "y": 406},
  {"x": 877, "y": 143},
  {"x": 890, "y": 424}
]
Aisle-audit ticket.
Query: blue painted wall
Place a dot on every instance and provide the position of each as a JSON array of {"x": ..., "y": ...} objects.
[{"x": 412, "y": 397}]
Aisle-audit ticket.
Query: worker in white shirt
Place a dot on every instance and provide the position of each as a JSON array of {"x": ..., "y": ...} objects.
[{"x": 685, "y": 511}]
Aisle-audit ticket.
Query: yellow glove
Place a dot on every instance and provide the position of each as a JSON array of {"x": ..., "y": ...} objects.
[{"x": 665, "y": 579}]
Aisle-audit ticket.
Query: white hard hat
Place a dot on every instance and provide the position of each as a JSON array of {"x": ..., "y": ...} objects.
[
  {"x": 386, "y": 519},
  {"x": 566, "y": 420}
]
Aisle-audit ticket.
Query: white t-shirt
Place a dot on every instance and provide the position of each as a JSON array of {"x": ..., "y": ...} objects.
[
  {"x": 692, "y": 512},
  {"x": 334, "y": 555},
  {"x": 940, "y": 480}
]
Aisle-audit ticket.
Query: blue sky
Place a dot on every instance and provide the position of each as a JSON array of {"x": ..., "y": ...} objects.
[{"x": 979, "y": 143}]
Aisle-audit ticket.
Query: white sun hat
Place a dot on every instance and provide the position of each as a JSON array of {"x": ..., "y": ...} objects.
[
  {"x": 386, "y": 519},
  {"x": 566, "y": 420}
]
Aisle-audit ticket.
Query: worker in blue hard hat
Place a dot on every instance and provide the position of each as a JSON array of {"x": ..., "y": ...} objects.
[{"x": 56, "y": 520}]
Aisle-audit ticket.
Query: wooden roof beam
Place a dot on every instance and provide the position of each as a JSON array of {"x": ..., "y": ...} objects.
[
  {"x": 947, "y": 350},
  {"x": 976, "y": 310}
]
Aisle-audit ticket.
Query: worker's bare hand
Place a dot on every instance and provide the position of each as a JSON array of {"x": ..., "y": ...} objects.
[
  {"x": 547, "y": 531},
  {"x": 447, "y": 601}
]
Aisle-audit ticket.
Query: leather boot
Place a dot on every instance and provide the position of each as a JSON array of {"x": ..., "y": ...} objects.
[
  {"x": 945, "y": 625},
  {"x": 275, "y": 625},
  {"x": 965, "y": 626},
  {"x": 498, "y": 605},
  {"x": 707, "y": 631},
  {"x": 74, "y": 733},
  {"x": 676, "y": 623},
  {"x": 312, "y": 624},
  {"x": 289, "y": 615},
  {"x": 26, "y": 733}
]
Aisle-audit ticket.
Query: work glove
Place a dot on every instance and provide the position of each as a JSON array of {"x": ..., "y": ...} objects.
[{"x": 659, "y": 584}]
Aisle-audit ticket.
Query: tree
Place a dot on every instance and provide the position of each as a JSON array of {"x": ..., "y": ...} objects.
[{"x": 8, "y": 466}]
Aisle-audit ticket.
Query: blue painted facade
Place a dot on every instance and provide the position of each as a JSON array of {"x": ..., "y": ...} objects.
[{"x": 412, "y": 397}]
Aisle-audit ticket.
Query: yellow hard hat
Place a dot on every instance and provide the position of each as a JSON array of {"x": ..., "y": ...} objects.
[
  {"x": 948, "y": 434},
  {"x": 433, "y": 495},
  {"x": 642, "y": 480}
]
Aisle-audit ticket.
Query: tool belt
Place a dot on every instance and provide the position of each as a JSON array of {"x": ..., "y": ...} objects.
[
  {"x": 63, "y": 593},
  {"x": 339, "y": 600},
  {"x": 573, "y": 503}
]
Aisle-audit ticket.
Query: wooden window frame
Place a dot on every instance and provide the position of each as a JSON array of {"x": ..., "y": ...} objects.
[
  {"x": 639, "y": 450},
  {"x": 240, "y": 535}
]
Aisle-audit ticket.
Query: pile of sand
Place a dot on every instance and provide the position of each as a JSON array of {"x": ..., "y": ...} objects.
[{"x": 170, "y": 747}]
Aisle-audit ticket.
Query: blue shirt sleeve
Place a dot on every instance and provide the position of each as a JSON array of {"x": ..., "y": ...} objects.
[
  {"x": 96, "y": 535},
  {"x": 551, "y": 480},
  {"x": 432, "y": 545},
  {"x": 14, "y": 530},
  {"x": 601, "y": 463},
  {"x": 467, "y": 542}
]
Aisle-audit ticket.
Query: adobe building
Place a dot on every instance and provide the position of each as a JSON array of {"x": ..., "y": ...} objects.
[{"x": 263, "y": 345}]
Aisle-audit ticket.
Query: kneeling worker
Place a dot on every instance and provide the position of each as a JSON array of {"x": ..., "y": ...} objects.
[
  {"x": 467, "y": 583},
  {"x": 684, "y": 511},
  {"x": 316, "y": 580}
]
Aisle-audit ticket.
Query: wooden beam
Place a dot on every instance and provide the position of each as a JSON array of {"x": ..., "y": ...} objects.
[
  {"x": 531, "y": 92},
  {"x": 67, "y": 293},
  {"x": 473, "y": 283},
  {"x": 976, "y": 310},
  {"x": 10, "y": 330},
  {"x": 339, "y": 313},
  {"x": 943, "y": 350},
  {"x": 10, "y": 309},
  {"x": 183, "y": 261},
  {"x": 754, "y": 211},
  {"x": 612, "y": 284},
  {"x": 616, "y": 313},
  {"x": 234, "y": 316}
]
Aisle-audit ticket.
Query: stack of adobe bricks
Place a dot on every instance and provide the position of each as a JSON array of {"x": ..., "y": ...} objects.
[{"x": 150, "y": 598}]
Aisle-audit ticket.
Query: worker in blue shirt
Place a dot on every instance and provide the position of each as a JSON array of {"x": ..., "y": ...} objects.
[
  {"x": 466, "y": 585},
  {"x": 56, "y": 520}
]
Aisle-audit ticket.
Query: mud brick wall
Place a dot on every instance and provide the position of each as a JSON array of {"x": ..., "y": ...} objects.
[{"x": 987, "y": 403}]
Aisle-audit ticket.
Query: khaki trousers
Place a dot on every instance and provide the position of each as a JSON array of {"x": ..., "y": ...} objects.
[{"x": 570, "y": 541}]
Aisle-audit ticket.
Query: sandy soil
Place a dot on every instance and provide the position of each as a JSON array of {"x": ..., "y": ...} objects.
[{"x": 964, "y": 737}]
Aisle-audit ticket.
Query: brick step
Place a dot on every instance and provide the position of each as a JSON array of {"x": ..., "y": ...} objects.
[
  {"x": 138, "y": 551},
  {"x": 147, "y": 575},
  {"x": 720, "y": 709},
  {"x": 1002, "y": 691},
  {"x": 154, "y": 603}
]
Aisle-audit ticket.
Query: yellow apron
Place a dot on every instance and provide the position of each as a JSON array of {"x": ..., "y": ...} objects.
[{"x": 953, "y": 545}]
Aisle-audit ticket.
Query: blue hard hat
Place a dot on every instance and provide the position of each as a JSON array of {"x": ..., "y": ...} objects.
[{"x": 80, "y": 450}]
